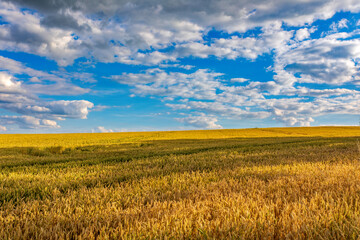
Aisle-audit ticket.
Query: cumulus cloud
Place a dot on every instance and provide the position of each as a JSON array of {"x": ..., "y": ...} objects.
[
  {"x": 101, "y": 129},
  {"x": 218, "y": 108},
  {"x": 202, "y": 122},
  {"x": 272, "y": 38},
  {"x": 115, "y": 31},
  {"x": 201, "y": 84},
  {"x": 329, "y": 60},
  {"x": 24, "y": 32},
  {"x": 28, "y": 122},
  {"x": 18, "y": 97},
  {"x": 8, "y": 85},
  {"x": 70, "y": 109},
  {"x": 336, "y": 26},
  {"x": 40, "y": 82},
  {"x": 136, "y": 33},
  {"x": 291, "y": 121},
  {"x": 239, "y": 80},
  {"x": 301, "y": 110},
  {"x": 289, "y": 104},
  {"x": 302, "y": 34}
]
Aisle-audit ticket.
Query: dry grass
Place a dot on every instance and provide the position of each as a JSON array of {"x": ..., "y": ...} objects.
[{"x": 295, "y": 183}]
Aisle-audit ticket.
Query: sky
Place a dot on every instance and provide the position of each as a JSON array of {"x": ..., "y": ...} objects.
[{"x": 114, "y": 65}]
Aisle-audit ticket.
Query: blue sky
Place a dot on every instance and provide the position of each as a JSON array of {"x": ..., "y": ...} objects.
[{"x": 101, "y": 66}]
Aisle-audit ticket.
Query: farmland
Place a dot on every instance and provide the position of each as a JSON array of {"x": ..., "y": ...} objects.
[{"x": 273, "y": 183}]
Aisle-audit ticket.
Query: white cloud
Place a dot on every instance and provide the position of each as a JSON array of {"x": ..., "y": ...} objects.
[
  {"x": 218, "y": 108},
  {"x": 8, "y": 85},
  {"x": 24, "y": 32},
  {"x": 291, "y": 121},
  {"x": 101, "y": 129},
  {"x": 115, "y": 31},
  {"x": 304, "y": 91},
  {"x": 343, "y": 23},
  {"x": 70, "y": 109},
  {"x": 56, "y": 110},
  {"x": 202, "y": 122},
  {"x": 235, "y": 47},
  {"x": 201, "y": 84},
  {"x": 336, "y": 26},
  {"x": 16, "y": 97},
  {"x": 278, "y": 99},
  {"x": 301, "y": 111},
  {"x": 328, "y": 60},
  {"x": 28, "y": 122},
  {"x": 40, "y": 82},
  {"x": 240, "y": 80},
  {"x": 302, "y": 34},
  {"x": 136, "y": 33}
]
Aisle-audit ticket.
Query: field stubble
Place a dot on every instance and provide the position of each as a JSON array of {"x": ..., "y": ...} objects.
[{"x": 295, "y": 183}]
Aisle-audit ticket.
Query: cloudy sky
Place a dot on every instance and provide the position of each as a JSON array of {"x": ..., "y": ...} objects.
[{"x": 116, "y": 65}]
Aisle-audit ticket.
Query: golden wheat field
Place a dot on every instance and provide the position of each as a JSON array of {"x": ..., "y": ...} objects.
[{"x": 275, "y": 183}]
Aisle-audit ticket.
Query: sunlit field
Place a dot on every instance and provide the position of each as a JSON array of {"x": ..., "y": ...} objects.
[{"x": 274, "y": 183}]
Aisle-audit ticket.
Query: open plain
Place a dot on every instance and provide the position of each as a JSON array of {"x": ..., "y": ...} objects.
[{"x": 273, "y": 183}]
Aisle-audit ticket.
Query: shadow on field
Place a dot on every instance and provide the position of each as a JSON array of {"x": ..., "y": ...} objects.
[
  {"x": 39, "y": 173},
  {"x": 117, "y": 153}
]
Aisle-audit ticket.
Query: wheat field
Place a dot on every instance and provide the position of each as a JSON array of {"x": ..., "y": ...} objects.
[{"x": 274, "y": 183}]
